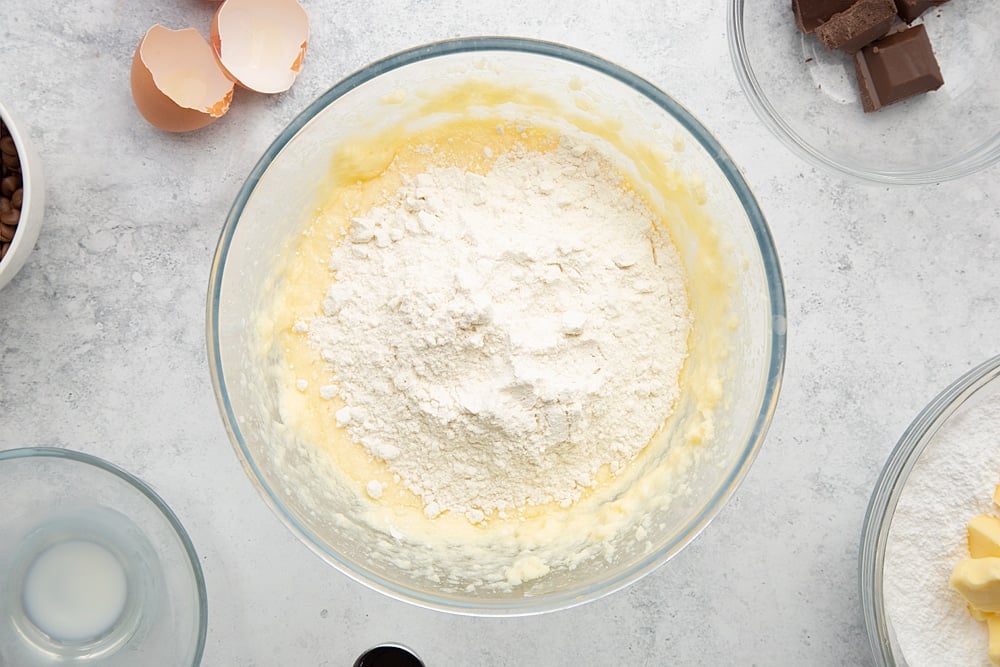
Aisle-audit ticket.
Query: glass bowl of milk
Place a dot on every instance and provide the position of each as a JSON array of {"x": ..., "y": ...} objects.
[{"x": 95, "y": 568}]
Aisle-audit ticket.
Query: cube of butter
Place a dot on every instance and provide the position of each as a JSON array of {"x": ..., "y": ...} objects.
[
  {"x": 993, "y": 625},
  {"x": 978, "y": 580},
  {"x": 984, "y": 536}
]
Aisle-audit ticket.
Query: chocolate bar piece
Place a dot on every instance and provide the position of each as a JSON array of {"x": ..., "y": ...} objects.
[
  {"x": 896, "y": 67},
  {"x": 909, "y": 10},
  {"x": 810, "y": 14},
  {"x": 864, "y": 22}
]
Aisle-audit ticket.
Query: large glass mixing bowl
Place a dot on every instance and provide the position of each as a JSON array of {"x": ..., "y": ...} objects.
[{"x": 741, "y": 335}]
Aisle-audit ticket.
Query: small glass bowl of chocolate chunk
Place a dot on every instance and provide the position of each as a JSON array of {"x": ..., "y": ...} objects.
[
  {"x": 892, "y": 91},
  {"x": 22, "y": 195}
]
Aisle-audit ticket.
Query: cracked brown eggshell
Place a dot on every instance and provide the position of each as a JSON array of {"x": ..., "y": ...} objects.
[
  {"x": 177, "y": 83},
  {"x": 261, "y": 43}
]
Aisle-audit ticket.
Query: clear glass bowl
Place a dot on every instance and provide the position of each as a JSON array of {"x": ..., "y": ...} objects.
[
  {"x": 95, "y": 569},
  {"x": 280, "y": 195},
  {"x": 979, "y": 384},
  {"x": 807, "y": 96}
]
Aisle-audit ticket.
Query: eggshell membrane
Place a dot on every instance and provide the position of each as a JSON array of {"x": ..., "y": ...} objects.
[
  {"x": 261, "y": 43},
  {"x": 177, "y": 83}
]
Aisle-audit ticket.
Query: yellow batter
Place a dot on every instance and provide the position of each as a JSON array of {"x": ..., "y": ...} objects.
[{"x": 528, "y": 544}]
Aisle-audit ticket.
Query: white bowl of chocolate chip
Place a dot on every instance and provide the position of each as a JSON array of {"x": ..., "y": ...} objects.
[{"x": 22, "y": 195}]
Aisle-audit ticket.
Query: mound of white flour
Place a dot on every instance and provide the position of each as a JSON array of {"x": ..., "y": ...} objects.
[{"x": 498, "y": 339}]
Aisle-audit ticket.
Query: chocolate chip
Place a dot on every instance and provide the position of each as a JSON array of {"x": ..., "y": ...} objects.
[
  {"x": 7, "y": 146},
  {"x": 3, "y": 249},
  {"x": 6, "y": 231},
  {"x": 10, "y": 218},
  {"x": 17, "y": 199},
  {"x": 8, "y": 184}
]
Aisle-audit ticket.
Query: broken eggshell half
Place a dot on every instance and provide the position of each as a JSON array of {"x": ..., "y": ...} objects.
[
  {"x": 177, "y": 84},
  {"x": 261, "y": 43}
]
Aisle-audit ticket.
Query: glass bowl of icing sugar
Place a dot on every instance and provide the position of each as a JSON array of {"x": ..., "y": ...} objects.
[
  {"x": 495, "y": 326},
  {"x": 942, "y": 473}
]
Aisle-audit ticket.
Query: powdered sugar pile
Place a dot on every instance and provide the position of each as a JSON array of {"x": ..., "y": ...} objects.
[
  {"x": 498, "y": 338},
  {"x": 952, "y": 482}
]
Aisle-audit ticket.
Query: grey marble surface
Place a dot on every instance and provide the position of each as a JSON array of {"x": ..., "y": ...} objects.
[{"x": 892, "y": 293}]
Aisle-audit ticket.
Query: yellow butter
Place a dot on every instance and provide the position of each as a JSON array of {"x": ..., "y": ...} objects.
[
  {"x": 984, "y": 536},
  {"x": 993, "y": 624},
  {"x": 978, "y": 580}
]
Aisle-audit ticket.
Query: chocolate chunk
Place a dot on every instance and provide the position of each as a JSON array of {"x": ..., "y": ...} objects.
[
  {"x": 896, "y": 67},
  {"x": 909, "y": 10},
  {"x": 810, "y": 14},
  {"x": 864, "y": 22}
]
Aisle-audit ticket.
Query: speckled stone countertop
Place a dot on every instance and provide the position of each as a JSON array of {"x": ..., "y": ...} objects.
[{"x": 892, "y": 293}]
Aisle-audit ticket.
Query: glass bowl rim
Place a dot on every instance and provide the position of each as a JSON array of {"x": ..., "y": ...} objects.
[
  {"x": 982, "y": 157},
  {"x": 154, "y": 498},
  {"x": 890, "y": 484},
  {"x": 775, "y": 346}
]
